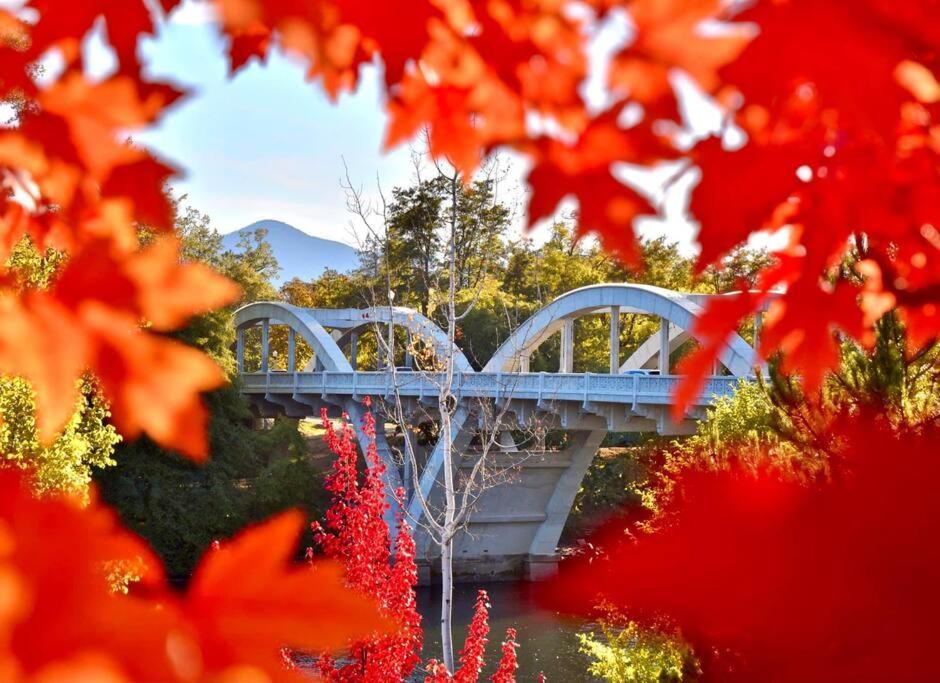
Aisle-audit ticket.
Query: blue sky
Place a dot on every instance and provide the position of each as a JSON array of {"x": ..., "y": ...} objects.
[
  {"x": 267, "y": 144},
  {"x": 264, "y": 144}
]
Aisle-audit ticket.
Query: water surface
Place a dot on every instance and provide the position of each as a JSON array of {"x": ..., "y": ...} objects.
[{"x": 548, "y": 641}]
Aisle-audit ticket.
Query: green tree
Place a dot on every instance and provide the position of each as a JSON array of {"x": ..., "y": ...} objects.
[
  {"x": 251, "y": 264},
  {"x": 493, "y": 317},
  {"x": 740, "y": 266},
  {"x": 66, "y": 464},
  {"x": 180, "y": 507},
  {"x": 413, "y": 245},
  {"x": 480, "y": 228},
  {"x": 410, "y": 255}
]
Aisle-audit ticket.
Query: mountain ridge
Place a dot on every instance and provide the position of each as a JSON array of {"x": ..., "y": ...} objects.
[{"x": 299, "y": 254}]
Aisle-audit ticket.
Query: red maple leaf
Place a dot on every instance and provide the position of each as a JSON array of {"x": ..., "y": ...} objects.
[
  {"x": 607, "y": 207},
  {"x": 247, "y": 602},
  {"x": 823, "y": 48},
  {"x": 739, "y": 191},
  {"x": 64, "y": 23},
  {"x": 669, "y": 35},
  {"x": 143, "y": 184}
]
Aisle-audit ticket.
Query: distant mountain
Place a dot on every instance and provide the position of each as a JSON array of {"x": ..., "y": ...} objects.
[{"x": 299, "y": 254}]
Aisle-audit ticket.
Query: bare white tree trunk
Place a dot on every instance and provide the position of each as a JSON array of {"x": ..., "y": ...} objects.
[
  {"x": 446, "y": 404},
  {"x": 447, "y": 547},
  {"x": 445, "y": 522}
]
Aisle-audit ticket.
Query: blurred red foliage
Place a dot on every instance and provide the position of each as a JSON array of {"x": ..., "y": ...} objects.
[{"x": 773, "y": 580}]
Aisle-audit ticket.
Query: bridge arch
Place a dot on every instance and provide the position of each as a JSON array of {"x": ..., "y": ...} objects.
[
  {"x": 677, "y": 308},
  {"x": 304, "y": 322},
  {"x": 417, "y": 324},
  {"x": 301, "y": 321}
]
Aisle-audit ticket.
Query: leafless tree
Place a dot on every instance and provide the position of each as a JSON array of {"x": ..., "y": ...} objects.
[{"x": 447, "y": 513}]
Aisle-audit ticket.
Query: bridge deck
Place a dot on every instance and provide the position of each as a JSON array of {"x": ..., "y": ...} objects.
[{"x": 540, "y": 387}]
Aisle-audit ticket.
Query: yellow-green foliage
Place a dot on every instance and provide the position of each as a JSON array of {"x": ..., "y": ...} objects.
[
  {"x": 65, "y": 465},
  {"x": 746, "y": 426},
  {"x": 629, "y": 653}
]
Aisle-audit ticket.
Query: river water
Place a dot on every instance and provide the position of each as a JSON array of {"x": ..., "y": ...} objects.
[{"x": 548, "y": 641}]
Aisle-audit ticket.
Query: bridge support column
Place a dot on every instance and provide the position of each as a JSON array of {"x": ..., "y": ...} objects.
[
  {"x": 544, "y": 545},
  {"x": 392, "y": 476},
  {"x": 506, "y": 443},
  {"x": 663, "y": 347},
  {"x": 407, "y": 474},
  {"x": 524, "y": 362},
  {"x": 265, "y": 344},
  {"x": 614, "y": 340},
  {"x": 291, "y": 350},
  {"x": 566, "y": 363},
  {"x": 409, "y": 359},
  {"x": 379, "y": 353},
  {"x": 240, "y": 349},
  {"x": 354, "y": 351}
]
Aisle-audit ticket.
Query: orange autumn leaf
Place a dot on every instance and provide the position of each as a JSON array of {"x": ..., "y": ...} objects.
[
  {"x": 670, "y": 35},
  {"x": 142, "y": 183},
  {"x": 96, "y": 112},
  {"x": 61, "y": 621},
  {"x": 91, "y": 320},
  {"x": 126, "y": 20},
  {"x": 248, "y": 601},
  {"x": 40, "y": 150},
  {"x": 332, "y": 49},
  {"x": 42, "y": 342},
  {"x": 537, "y": 52},
  {"x": 165, "y": 286},
  {"x": 152, "y": 383},
  {"x": 56, "y": 552},
  {"x": 451, "y": 134}
]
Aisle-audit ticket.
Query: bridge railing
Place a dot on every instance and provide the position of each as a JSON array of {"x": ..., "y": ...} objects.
[{"x": 586, "y": 387}]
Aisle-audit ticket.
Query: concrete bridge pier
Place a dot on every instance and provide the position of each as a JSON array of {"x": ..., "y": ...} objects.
[
  {"x": 542, "y": 562},
  {"x": 515, "y": 526}
]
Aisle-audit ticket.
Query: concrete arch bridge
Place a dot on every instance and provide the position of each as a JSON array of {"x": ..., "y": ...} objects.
[{"x": 514, "y": 526}]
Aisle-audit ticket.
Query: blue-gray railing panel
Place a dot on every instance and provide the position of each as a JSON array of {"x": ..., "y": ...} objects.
[{"x": 545, "y": 387}]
